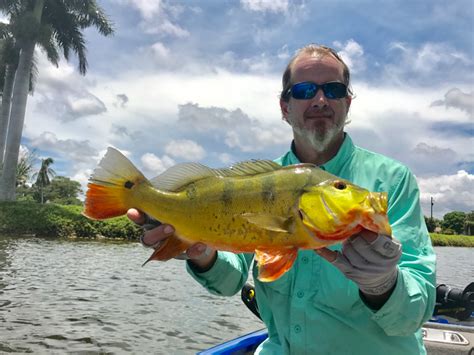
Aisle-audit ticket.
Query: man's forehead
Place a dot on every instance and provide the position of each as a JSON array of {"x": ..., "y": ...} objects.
[{"x": 326, "y": 64}]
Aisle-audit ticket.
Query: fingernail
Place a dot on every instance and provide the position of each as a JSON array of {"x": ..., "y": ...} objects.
[
  {"x": 201, "y": 248},
  {"x": 168, "y": 230}
]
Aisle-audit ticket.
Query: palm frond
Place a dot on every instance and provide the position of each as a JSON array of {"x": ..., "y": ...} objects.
[
  {"x": 91, "y": 14},
  {"x": 47, "y": 42},
  {"x": 4, "y": 30}
]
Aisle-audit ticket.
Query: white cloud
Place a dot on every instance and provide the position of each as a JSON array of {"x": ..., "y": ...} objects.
[
  {"x": 450, "y": 193},
  {"x": 159, "y": 17},
  {"x": 73, "y": 150},
  {"x": 352, "y": 53},
  {"x": 256, "y": 137},
  {"x": 185, "y": 149},
  {"x": 265, "y": 5},
  {"x": 156, "y": 165},
  {"x": 237, "y": 128},
  {"x": 422, "y": 64},
  {"x": 168, "y": 28},
  {"x": 226, "y": 158},
  {"x": 149, "y": 9},
  {"x": 121, "y": 101},
  {"x": 160, "y": 50},
  {"x": 283, "y": 53},
  {"x": 457, "y": 99},
  {"x": 62, "y": 93}
]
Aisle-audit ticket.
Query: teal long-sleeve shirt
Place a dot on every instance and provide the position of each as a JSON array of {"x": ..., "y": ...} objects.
[{"x": 314, "y": 308}]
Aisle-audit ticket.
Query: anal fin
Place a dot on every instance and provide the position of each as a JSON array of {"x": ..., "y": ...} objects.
[
  {"x": 171, "y": 247},
  {"x": 272, "y": 264}
]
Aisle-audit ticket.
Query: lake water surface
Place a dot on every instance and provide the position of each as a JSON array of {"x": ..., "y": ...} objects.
[{"x": 93, "y": 297}]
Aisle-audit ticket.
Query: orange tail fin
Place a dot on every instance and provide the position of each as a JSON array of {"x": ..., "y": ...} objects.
[{"x": 104, "y": 202}]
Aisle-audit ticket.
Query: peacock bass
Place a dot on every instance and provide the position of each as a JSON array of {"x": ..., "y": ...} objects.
[{"x": 255, "y": 206}]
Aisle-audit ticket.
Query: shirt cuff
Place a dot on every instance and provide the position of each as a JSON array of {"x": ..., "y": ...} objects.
[
  {"x": 224, "y": 277},
  {"x": 405, "y": 310}
]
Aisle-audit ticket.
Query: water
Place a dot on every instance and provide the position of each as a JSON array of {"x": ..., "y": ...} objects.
[{"x": 93, "y": 297}]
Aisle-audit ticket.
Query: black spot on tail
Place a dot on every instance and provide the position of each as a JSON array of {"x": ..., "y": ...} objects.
[{"x": 128, "y": 184}]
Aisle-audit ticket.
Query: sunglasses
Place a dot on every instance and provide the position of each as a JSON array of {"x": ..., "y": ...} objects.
[{"x": 307, "y": 90}]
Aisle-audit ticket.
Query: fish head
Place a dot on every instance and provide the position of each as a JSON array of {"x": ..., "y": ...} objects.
[{"x": 336, "y": 209}]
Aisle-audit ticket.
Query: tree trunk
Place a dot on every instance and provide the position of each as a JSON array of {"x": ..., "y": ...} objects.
[
  {"x": 5, "y": 112},
  {"x": 17, "y": 114},
  {"x": 17, "y": 118}
]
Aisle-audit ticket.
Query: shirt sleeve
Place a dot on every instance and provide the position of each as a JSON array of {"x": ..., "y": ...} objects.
[
  {"x": 228, "y": 274},
  {"x": 413, "y": 299}
]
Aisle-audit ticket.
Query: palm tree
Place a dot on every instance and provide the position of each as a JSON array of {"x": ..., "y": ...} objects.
[
  {"x": 25, "y": 167},
  {"x": 43, "y": 175},
  {"x": 54, "y": 25},
  {"x": 9, "y": 54}
]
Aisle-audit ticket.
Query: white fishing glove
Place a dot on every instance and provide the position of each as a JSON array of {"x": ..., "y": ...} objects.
[{"x": 372, "y": 266}]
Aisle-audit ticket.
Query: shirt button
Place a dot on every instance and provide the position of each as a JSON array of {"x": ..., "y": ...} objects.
[
  {"x": 297, "y": 329},
  {"x": 300, "y": 294},
  {"x": 305, "y": 259}
]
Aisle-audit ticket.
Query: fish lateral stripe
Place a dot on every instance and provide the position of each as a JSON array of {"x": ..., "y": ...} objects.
[{"x": 268, "y": 189}]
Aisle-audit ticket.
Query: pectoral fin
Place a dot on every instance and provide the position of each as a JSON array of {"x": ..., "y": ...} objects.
[
  {"x": 272, "y": 264},
  {"x": 171, "y": 247},
  {"x": 271, "y": 222}
]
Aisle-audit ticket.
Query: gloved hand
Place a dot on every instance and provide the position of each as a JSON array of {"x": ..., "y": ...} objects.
[{"x": 368, "y": 259}]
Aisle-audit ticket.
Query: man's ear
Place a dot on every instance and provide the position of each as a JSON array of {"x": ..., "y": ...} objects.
[
  {"x": 348, "y": 103},
  {"x": 284, "y": 109}
]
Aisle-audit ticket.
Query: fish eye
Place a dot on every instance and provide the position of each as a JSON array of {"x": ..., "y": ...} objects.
[{"x": 340, "y": 185}]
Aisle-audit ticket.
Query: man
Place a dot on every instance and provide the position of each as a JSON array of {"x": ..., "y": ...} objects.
[{"x": 372, "y": 294}]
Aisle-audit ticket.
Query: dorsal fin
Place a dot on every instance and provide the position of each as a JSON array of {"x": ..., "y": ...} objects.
[
  {"x": 250, "y": 167},
  {"x": 180, "y": 175}
]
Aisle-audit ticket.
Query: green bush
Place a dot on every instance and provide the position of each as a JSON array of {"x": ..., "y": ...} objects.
[
  {"x": 52, "y": 220},
  {"x": 444, "y": 240}
]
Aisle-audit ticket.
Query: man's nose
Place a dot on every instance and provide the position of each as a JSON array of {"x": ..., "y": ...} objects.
[{"x": 319, "y": 100}]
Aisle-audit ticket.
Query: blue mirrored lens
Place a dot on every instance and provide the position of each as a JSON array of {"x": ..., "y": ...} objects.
[
  {"x": 304, "y": 91},
  {"x": 308, "y": 90},
  {"x": 334, "y": 90}
]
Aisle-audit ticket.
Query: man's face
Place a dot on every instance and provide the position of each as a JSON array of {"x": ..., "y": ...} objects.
[{"x": 318, "y": 121}]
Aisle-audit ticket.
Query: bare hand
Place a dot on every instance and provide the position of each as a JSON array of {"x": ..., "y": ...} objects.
[{"x": 200, "y": 254}]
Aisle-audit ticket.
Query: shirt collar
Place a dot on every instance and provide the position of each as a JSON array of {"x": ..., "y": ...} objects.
[{"x": 335, "y": 164}]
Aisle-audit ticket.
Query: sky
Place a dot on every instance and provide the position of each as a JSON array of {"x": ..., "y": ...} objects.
[{"x": 200, "y": 80}]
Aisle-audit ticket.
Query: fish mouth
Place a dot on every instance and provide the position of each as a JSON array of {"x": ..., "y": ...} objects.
[{"x": 378, "y": 221}]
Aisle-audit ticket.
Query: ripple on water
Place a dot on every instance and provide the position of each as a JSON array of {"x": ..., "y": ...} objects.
[{"x": 90, "y": 297}]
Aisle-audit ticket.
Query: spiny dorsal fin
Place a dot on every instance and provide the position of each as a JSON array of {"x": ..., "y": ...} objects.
[
  {"x": 180, "y": 175},
  {"x": 250, "y": 167}
]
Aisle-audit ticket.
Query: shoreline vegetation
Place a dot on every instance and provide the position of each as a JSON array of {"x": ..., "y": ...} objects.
[{"x": 66, "y": 221}]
